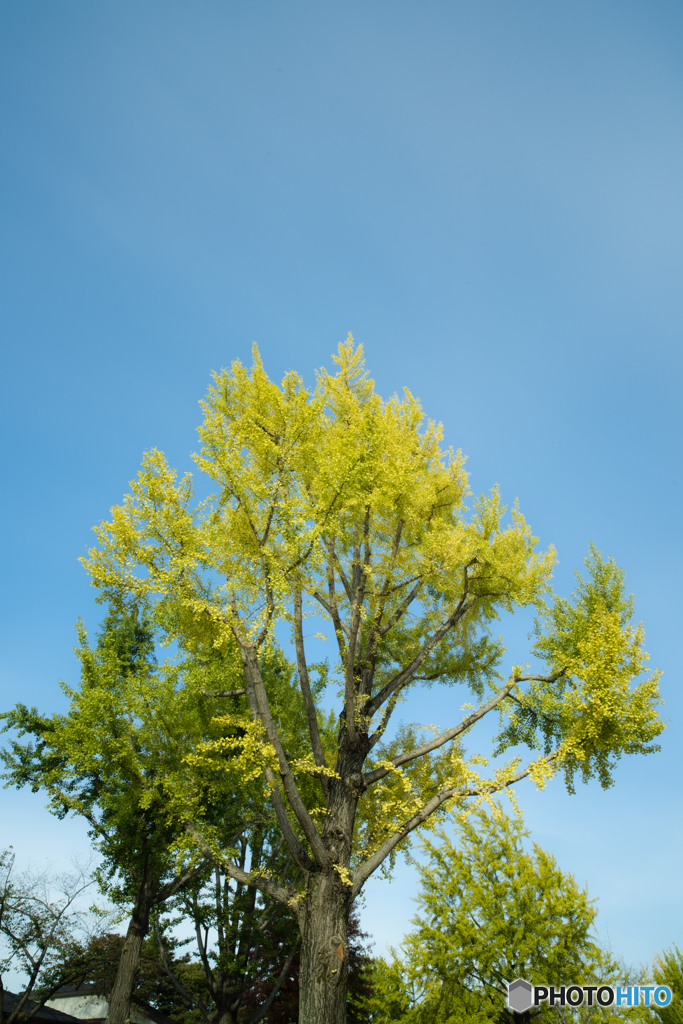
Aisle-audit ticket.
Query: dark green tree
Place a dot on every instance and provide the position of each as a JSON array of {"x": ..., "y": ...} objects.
[
  {"x": 140, "y": 741},
  {"x": 107, "y": 759}
]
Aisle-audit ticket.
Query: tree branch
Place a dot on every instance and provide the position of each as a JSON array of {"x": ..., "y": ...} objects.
[
  {"x": 406, "y": 673},
  {"x": 401, "y": 608},
  {"x": 309, "y": 704},
  {"x": 260, "y": 708},
  {"x": 192, "y": 1000},
  {"x": 364, "y": 870},
  {"x": 384, "y": 721},
  {"x": 265, "y": 884},
  {"x": 339, "y": 626},
  {"x": 359, "y": 582},
  {"x": 342, "y": 575},
  {"x": 445, "y": 737},
  {"x": 172, "y": 887},
  {"x": 224, "y": 693}
]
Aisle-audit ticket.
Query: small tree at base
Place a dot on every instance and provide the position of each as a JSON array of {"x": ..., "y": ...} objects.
[
  {"x": 489, "y": 912},
  {"x": 668, "y": 970},
  {"x": 131, "y": 724}
]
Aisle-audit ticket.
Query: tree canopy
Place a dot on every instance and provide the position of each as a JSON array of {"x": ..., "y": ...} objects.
[{"x": 334, "y": 503}]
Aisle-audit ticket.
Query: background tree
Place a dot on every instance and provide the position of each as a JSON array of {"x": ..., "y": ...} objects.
[
  {"x": 285, "y": 1008},
  {"x": 490, "y": 912},
  {"x": 241, "y": 975},
  {"x": 110, "y": 758},
  {"x": 96, "y": 967},
  {"x": 337, "y": 503},
  {"x": 668, "y": 970},
  {"x": 46, "y": 932},
  {"x": 246, "y": 941}
]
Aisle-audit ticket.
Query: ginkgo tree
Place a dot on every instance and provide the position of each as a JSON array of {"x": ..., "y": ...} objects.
[{"x": 334, "y": 503}]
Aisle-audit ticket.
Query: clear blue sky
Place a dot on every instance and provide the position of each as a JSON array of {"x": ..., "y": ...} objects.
[{"x": 489, "y": 195}]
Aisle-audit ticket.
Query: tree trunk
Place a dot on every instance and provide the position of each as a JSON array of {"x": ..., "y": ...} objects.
[
  {"x": 225, "y": 1015},
  {"x": 226, "y": 995},
  {"x": 323, "y": 915},
  {"x": 129, "y": 964}
]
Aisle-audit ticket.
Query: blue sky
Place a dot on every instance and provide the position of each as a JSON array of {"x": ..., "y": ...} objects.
[{"x": 488, "y": 195}]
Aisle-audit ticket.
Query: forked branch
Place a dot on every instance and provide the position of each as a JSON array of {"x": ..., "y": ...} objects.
[
  {"x": 364, "y": 870},
  {"x": 406, "y": 674},
  {"x": 309, "y": 703},
  {"x": 457, "y": 730},
  {"x": 444, "y": 737},
  {"x": 260, "y": 709},
  {"x": 224, "y": 693}
]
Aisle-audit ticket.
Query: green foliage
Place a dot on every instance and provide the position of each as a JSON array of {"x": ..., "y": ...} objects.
[
  {"x": 142, "y": 740},
  {"x": 110, "y": 757},
  {"x": 668, "y": 970},
  {"x": 328, "y": 502},
  {"x": 490, "y": 912}
]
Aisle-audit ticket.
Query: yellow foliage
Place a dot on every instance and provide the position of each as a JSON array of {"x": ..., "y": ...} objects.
[{"x": 332, "y": 501}]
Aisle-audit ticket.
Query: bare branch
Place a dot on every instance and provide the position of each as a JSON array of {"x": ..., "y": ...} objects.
[
  {"x": 405, "y": 675},
  {"x": 224, "y": 693},
  {"x": 270, "y": 608},
  {"x": 188, "y": 996},
  {"x": 329, "y": 544},
  {"x": 401, "y": 608},
  {"x": 260, "y": 709},
  {"x": 309, "y": 704},
  {"x": 262, "y": 882},
  {"x": 445, "y": 737},
  {"x": 358, "y": 586},
  {"x": 296, "y": 848},
  {"x": 384, "y": 722},
  {"x": 338, "y": 623},
  {"x": 373, "y": 633},
  {"x": 172, "y": 887}
]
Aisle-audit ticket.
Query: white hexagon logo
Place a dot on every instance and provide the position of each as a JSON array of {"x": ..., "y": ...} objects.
[{"x": 520, "y": 995}]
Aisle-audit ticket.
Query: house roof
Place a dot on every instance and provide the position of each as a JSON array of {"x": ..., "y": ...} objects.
[
  {"x": 10, "y": 1000},
  {"x": 89, "y": 1003},
  {"x": 77, "y": 990}
]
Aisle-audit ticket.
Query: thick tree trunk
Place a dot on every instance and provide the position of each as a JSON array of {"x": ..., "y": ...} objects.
[
  {"x": 226, "y": 994},
  {"x": 129, "y": 964},
  {"x": 323, "y": 913},
  {"x": 225, "y": 1015},
  {"x": 324, "y": 959}
]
